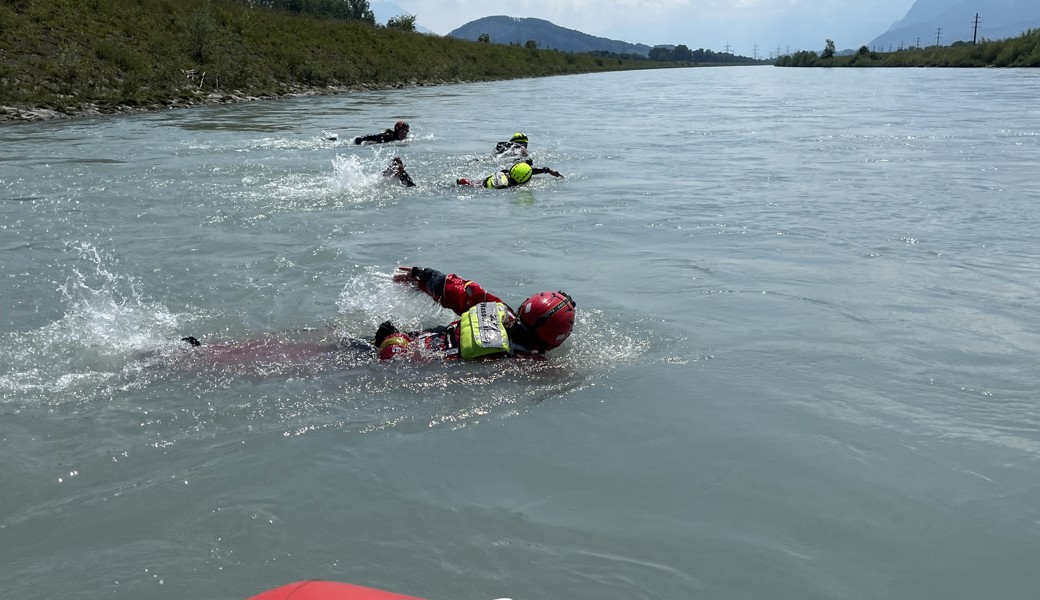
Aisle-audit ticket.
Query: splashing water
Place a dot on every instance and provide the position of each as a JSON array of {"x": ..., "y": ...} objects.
[
  {"x": 106, "y": 311},
  {"x": 372, "y": 297},
  {"x": 353, "y": 177},
  {"x": 112, "y": 339},
  {"x": 106, "y": 323}
]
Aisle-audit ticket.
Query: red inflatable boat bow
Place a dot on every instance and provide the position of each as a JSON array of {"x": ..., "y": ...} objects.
[{"x": 328, "y": 590}]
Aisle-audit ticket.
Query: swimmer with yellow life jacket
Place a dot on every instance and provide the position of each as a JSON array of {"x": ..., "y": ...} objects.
[
  {"x": 518, "y": 174},
  {"x": 487, "y": 327},
  {"x": 517, "y": 144}
]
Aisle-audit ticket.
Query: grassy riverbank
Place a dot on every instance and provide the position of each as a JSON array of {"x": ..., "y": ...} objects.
[
  {"x": 68, "y": 57},
  {"x": 1022, "y": 51}
]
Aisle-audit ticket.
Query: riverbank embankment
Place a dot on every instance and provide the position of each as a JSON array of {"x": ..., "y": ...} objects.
[{"x": 63, "y": 58}]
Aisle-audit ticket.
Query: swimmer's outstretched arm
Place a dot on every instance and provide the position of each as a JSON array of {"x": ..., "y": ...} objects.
[{"x": 450, "y": 291}]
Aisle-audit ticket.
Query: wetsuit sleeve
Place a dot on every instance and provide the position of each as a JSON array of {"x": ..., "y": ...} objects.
[
  {"x": 430, "y": 281},
  {"x": 376, "y": 138},
  {"x": 396, "y": 169},
  {"x": 451, "y": 291}
]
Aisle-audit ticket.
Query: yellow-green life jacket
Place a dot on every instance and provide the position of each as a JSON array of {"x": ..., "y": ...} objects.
[
  {"x": 482, "y": 330},
  {"x": 497, "y": 181}
]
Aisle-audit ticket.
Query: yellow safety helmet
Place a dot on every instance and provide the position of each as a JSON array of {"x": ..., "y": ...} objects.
[{"x": 520, "y": 172}]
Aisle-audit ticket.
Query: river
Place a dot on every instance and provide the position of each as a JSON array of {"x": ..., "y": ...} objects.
[{"x": 804, "y": 365}]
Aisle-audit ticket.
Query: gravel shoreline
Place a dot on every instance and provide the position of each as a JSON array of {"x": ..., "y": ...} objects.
[{"x": 34, "y": 114}]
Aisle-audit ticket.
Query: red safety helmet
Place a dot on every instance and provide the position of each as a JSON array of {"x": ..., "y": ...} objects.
[
  {"x": 394, "y": 345},
  {"x": 549, "y": 316}
]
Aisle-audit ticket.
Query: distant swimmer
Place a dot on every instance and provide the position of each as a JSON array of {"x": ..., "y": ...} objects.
[
  {"x": 517, "y": 144},
  {"x": 518, "y": 174},
  {"x": 398, "y": 133},
  {"x": 396, "y": 169}
]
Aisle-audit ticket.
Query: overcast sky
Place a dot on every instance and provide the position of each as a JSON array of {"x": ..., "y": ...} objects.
[{"x": 743, "y": 25}]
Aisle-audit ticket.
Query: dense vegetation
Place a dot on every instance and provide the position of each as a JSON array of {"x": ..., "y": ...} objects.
[
  {"x": 684, "y": 54},
  {"x": 75, "y": 55},
  {"x": 1023, "y": 51},
  {"x": 356, "y": 10}
]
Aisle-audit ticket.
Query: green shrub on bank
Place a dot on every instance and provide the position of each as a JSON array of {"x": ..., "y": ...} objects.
[
  {"x": 65, "y": 54},
  {"x": 1023, "y": 51}
]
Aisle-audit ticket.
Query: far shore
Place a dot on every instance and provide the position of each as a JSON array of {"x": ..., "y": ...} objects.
[
  {"x": 33, "y": 114},
  {"x": 66, "y": 60}
]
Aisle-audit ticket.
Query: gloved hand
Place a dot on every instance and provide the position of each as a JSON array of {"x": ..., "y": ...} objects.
[
  {"x": 555, "y": 174},
  {"x": 407, "y": 274},
  {"x": 394, "y": 168},
  {"x": 386, "y": 329}
]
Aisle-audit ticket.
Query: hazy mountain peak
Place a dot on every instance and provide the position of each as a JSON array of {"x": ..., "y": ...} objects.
[
  {"x": 384, "y": 11},
  {"x": 505, "y": 30},
  {"x": 949, "y": 21}
]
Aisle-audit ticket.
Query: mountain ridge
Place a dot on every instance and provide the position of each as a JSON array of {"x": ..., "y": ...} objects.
[
  {"x": 929, "y": 21},
  {"x": 519, "y": 30}
]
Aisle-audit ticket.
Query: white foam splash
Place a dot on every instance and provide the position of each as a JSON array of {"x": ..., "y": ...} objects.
[
  {"x": 352, "y": 176},
  {"x": 106, "y": 324},
  {"x": 371, "y": 297}
]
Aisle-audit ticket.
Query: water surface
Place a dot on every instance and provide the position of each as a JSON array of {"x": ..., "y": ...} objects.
[{"x": 805, "y": 364}]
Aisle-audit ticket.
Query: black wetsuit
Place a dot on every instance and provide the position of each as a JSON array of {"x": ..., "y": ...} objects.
[
  {"x": 405, "y": 178},
  {"x": 388, "y": 135},
  {"x": 396, "y": 169},
  {"x": 518, "y": 147}
]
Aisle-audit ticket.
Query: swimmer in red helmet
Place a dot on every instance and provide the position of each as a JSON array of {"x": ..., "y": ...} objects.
[{"x": 487, "y": 328}]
